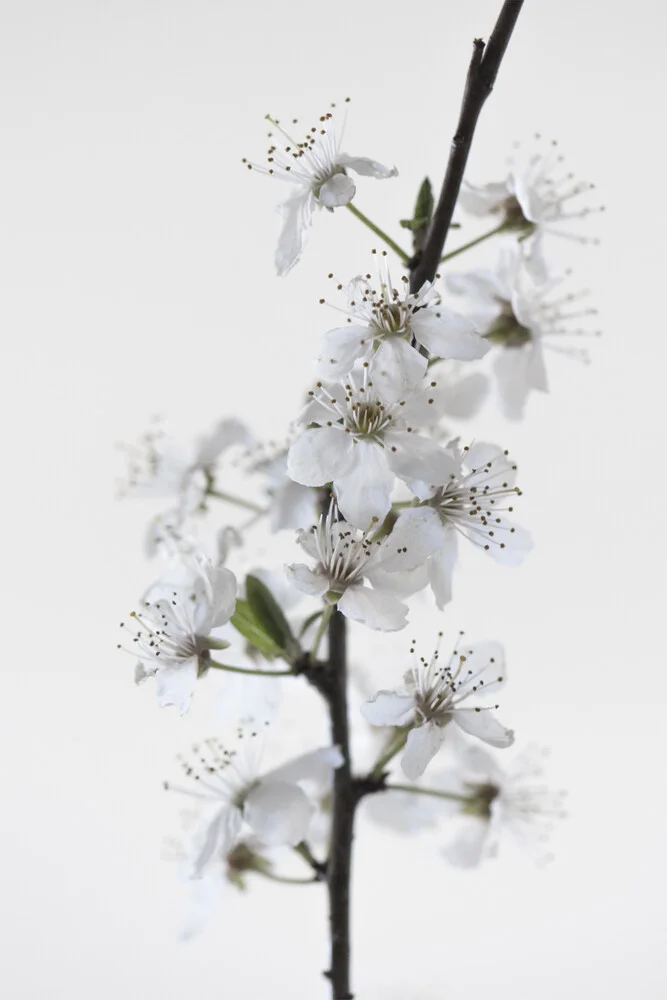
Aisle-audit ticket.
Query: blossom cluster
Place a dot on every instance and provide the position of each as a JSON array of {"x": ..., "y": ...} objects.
[{"x": 383, "y": 499}]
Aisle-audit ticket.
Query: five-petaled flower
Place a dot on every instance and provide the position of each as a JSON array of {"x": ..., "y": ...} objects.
[
  {"x": 388, "y": 326},
  {"x": 172, "y": 633},
  {"x": 319, "y": 172},
  {"x": 512, "y": 800},
  {"x": 472, "y": 503},
  {"x": 236, "y": 798},
  {"x": 520, "y": 317},
  {"x": 434, "y": 694},
  {"x": 361, "y": 439},
  {"x": 364, "y": 578}
]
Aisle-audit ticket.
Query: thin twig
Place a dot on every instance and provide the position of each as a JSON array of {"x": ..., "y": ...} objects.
[{"x": 482, "y": 72}]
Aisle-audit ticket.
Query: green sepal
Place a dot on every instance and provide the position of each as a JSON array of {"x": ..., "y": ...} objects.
[
  {"x": 245, "y": 622},
  {"x": 269, "y": 615}
]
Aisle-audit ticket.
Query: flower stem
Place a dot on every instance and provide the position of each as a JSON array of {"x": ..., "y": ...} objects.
[
  {"x": 473, "y": 243},
  {"x": 378, "y": 232},
  {"x": 248, "y": 670},
  {"x": 237, "y": 501},
  {"x": 452, "y": 796},
  {"x": 321, "y": 629},
  {"x": 394, "y": 746},
  {"x": 319, "y": 867},
  {"x": 288, "y": 879}
]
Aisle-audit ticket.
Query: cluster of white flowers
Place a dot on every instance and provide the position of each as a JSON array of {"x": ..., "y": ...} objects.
[{"x": 379, "y": 491}]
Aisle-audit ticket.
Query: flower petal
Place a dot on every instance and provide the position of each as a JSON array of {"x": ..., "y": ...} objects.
[
  {"x": 417, "y": 534},
  {"x": 422, "y": 745},
  {"x": 446, "y": 334},
  {"x": 336, "y": 191},
  {"x": 215, "y": 838},
  {"x": 413, "y": 456},
  {"x": 364, "y": 489},
  {"x": 367, "y": 168},
  {"x": 316, "y": 766},
  {"x": 297, "y": 214},
  {"x": 397, "y": 369},
  {"x": 339, "y": 349},
  {"x": 389, "y": 708},
  {"x": 306, "y": 580},
  {"x": 482, "y": 199},
  {"x": 373, "y": 608},
  {"x": 466, "y": 849},
  {"x": 176, "y": 685},
  {"x": 319, "y": 456},
  {"x": 463, "y": 398},
  {"x": 278, "y": 812},
  {"x": 511, "y": 370},
  {"x": 482, "y": 723},
  {"x": 440, "y": 569}
]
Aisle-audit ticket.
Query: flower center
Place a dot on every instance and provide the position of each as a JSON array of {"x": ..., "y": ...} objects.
[
  {"x": 507, "y": 330},
  {"x": 513, "y": 216},
  {"x": 390, "y": 319},
  {"x": 367, "y": 419},
  {"x": 481, "y": 798}
]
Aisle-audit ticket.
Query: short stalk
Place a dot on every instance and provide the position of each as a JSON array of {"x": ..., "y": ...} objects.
[
  {"x": 416, "y": 790},
  {"x": 502, "y": 228},
  {"x": 237, "y": 501},
  {"x": 378, "y": 232},
  {"x": 321, "y": 629},
  {"x": 251, "y": 671},
  {"x": 288, "y": 879},
  {"x": 394, "y": 747}
]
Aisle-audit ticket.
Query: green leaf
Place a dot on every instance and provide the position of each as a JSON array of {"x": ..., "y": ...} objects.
[
  {"x": 245, "y": 622},
  {"x": 425, "y": 204},
  {"x": 269, "y": 615}
]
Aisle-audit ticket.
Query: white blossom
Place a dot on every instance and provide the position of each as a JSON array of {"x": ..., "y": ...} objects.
[
  {"x": 318, "y": 170},
  {"x": 363, "y": 578},
  {"x": 513, "y": 800},
  {"x": 237, "y": 800},
  {"x": 520, "y": 317},
  {"x": 533, "y": 200},
  {"x": 472, "y": 504},
  {"x": 362, "y": 441},
  {"x": 172, "y": 633},
  {"x": 159, "y": 467},
  {"x": 435, "y": 695},
  {"x": 388, "y": 326}
]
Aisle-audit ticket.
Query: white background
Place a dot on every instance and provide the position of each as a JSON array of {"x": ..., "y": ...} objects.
[{"x": 136, "y": 278}]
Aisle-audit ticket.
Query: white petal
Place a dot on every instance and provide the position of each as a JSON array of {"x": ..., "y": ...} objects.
[
  {"x": 176, "y": 685},
  {"x": 511, "y": 371},
  {"x": 364, "y": 489},
  {"x": 418, "y": 530},
  {"x": 466, "y": 849},
  {"x": 463, "y": 398},
  {"x": 389, "y": 708},
  {"x": 448, "y": 335},
  {"x": 319, "y": 456},
  {"x": 297, "y": 214},
  {"x": 226, "y": 433},
  {"x": 396, "y": 369},
  {"x": 483, "y": 199},
  {"x": 306, "y": 580},
  {"x": 222, "y": 583},
  {"x": 440, "y": 568},
  {"x": 215, "y": 838},
  {"x": 516, "y": 541},
  {"x": 378, "y": 611},
  {"x": 340, "y": 348},
  {"x": 482, "y": 723},
  {"x": 336, "y": 191},
  {"x": 316, "y": 766},
  {"x": 404, "y": 812},
  {"x": 422, "y": 746},
  {"x": 292, "y": 506},
  {"x": 278, "y": 812},
  {"x": 537, "y": 373},
  {"x": 413, "y": 456},
  {"x": 367, "y": 168}
]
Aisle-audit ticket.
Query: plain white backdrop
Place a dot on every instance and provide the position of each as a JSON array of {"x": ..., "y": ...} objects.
[{"x": 136, "y": 277}]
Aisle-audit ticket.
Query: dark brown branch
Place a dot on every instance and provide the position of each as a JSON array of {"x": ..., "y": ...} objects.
[
  {"x": 482, "y": 72},
  {"x": 345, "y": 798}
]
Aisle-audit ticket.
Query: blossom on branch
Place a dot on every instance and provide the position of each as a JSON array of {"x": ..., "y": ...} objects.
[
  {"x": 318, "y": 170},
  {"x": 172, "y": 633},
  {"x": 361, "y": 441},
  {"x": 472, "y": 504},
  {"x": 434, "y": 694},
  {"x": 520, "y": 318},
  {"x": 388, "y": 326}
]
